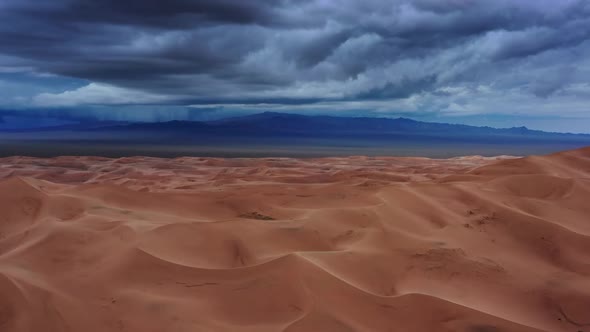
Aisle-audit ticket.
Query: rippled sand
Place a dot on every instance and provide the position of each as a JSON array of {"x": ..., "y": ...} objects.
[{"x": 468, "y": 244}]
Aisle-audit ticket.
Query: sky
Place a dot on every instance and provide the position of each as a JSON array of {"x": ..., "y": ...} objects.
[{"x": 501, "y": 63}]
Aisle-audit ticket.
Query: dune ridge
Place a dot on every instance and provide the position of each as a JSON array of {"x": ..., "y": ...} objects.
[{"x": 471, "y": 244}]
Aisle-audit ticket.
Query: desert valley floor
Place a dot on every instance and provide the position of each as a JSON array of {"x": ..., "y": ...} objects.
[{"x": 468, "y": 244}]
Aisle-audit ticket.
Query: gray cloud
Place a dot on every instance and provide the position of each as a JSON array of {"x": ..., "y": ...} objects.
[{"x": 288, "y": 52}]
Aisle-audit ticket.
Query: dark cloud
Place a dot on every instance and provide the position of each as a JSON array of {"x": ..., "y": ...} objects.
[
  {"x": 149, "y": 13},
  {"x": 180, "y": 52}
]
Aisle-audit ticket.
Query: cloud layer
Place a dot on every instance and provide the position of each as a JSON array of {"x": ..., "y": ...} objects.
[{"x": 454, "y": 57}]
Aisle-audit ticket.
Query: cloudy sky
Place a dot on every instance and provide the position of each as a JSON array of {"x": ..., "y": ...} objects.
[{"x": 484, "y": 62}]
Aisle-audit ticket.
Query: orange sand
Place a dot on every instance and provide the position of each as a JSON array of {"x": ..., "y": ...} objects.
[{"x": 140, "y": 244}]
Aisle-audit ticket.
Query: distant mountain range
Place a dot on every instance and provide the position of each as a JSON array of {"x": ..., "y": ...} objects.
[
  {"x": 285, "y": 124},
  {"x": 320, "y": 132}
]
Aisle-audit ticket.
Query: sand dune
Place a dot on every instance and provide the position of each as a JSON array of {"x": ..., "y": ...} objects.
[{"x": 143, "y": 244}]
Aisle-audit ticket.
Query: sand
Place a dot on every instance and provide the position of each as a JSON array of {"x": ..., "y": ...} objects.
[{"x": 141, "y": 244}]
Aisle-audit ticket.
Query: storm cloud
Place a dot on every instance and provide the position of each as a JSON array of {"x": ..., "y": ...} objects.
[{"x": 451, "y": 58}]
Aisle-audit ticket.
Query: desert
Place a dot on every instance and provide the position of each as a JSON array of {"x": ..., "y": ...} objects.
[
  {"x": 295, "y": 166},
  {"x": 473, "y": 244}
]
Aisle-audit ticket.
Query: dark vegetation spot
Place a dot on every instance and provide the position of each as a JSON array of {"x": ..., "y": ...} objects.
[
  {"x": 256, "y": 215},
  {"x": 487, "y": 219}
]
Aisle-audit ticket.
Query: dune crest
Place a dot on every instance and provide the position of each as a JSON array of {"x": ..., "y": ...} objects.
[{"x": 470, "y": 244}]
